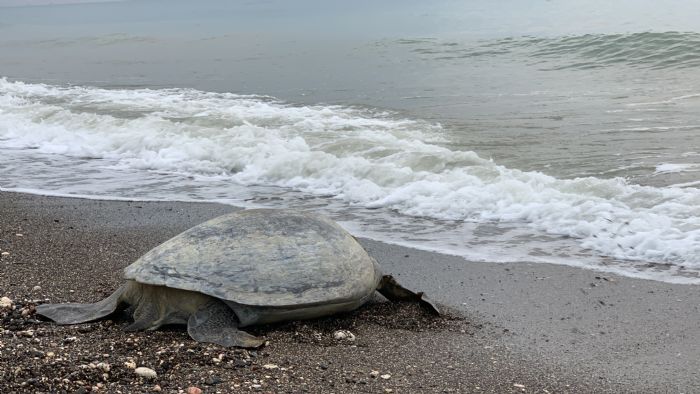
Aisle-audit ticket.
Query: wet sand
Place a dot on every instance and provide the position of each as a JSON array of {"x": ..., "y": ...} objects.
[{"x": 511, "y": 327}]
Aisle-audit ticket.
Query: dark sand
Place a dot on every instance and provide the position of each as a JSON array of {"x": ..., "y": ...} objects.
[{"x": 516, "y": 327}]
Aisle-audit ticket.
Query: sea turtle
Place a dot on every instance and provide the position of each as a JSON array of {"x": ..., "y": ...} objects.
[{"x": 248, "y": 267}]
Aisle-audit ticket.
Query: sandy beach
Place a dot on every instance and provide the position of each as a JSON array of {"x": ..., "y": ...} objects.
[
  {"x": 533, "y": 167},
  {"x": 510, "y": 327}
]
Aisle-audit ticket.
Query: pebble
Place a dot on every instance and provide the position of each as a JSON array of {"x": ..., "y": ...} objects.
[
  {"x": 146, "y": 372},
  {"x": 518, "y": 385},
  {"x": 157, "y": 388},
  {"x": 5, "y": 302},
  {"x": 5, "y": 253},
  {"x": 386, "y": 376},
  {"x": 270, "y": 366},
  {"x": 374, "y": 374},
  {"x": 344, "y": 335},
  {"x": 194, "y": 390},
  {"x": 36, "y": 288},
  {"x": 130, "y": 364}
]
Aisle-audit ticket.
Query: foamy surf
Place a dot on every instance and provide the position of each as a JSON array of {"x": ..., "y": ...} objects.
[{"x": 384, "y": 176}]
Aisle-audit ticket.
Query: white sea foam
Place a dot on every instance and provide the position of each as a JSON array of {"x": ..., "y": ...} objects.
[
  {"x": 358, "y": 157},
  {"x": 665, "y": 168}
]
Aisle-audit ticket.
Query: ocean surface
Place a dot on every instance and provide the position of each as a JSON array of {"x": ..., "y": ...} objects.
[{"x": 510, "y": 132}]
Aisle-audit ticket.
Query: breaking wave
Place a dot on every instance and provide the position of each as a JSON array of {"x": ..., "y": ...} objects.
[{"x": 361, "y": 158}]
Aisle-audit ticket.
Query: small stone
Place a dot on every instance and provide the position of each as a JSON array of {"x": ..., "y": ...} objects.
[
  {"x": 26, "y": 334},
  {"x": 157, "y": 388},
  {"x": 194, "y": 390},
  {"x": 130, "y": 364},
  {"x": 5, "y": 302},
  {"x": 344, "y": 335},
  {"x": 145, "y": 372},
  {"x": 70, "y": 339},
  {"x": 388, "y": 390},
  {"x": 19, "y": 235},
  {"x": 103, "y": 366},
  {"x": 50, "y": 354},
  {"x": 518, "y": 385},
  {"x": 386, "y": 376},
  {"x": 36, "y": 288},
  {"x": 374, "y": 374},
  {"x": 5, "y": 253},
  {"x": 270, "y": 366}
]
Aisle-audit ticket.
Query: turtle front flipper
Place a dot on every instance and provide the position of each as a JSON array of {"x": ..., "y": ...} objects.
[
  {"x": 82, "y": 313},
  {"x": 216, "y": 323},
  {"x": 393, "y": 291}
]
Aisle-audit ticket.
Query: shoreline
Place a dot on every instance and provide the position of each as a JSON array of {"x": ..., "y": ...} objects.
[{"x": 539, "y": 326}]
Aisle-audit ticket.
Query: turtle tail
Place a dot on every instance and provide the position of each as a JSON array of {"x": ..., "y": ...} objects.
[{"x": 81, "y": 313}]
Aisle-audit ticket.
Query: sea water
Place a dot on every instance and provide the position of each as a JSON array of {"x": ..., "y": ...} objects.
[{"x": 509, "y": 132}]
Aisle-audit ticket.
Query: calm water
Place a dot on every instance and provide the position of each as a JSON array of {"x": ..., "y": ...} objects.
[{"x": 538, "y": 132}]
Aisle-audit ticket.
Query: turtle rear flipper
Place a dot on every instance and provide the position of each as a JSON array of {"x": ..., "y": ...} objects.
[
  {"x": 145, "y": 316},
  {"x": 82, "y": 313},
  {"x": 216, "y": 323},
  {"x": 393, "y": 291}
]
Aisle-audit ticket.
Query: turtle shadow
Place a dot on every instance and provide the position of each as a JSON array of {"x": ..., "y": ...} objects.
[{"x": 377, "y": 314}]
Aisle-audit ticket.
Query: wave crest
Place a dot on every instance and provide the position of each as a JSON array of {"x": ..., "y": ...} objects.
[{"x": 655, "y": 50}]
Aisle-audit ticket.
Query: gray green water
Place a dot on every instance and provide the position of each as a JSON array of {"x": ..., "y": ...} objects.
[{"x": 612, "y": 99}]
